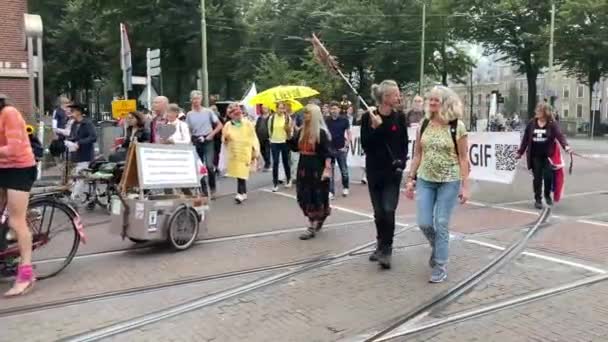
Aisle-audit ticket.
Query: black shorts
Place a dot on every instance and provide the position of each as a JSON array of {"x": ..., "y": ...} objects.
[{"x": 20, "y": 179}]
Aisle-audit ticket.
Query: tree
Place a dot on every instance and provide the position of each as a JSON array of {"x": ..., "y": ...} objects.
[
  {"x": 77, "y": 53},
  {"x": 512, "y": 100},
  {"x": 582, "y": 41},
  {"x": 516, "y": 30}
]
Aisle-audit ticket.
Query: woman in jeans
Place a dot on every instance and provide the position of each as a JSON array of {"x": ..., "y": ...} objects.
[
  {"x": 384, "y": 140},
  {"x": 243, "y": 149},
  {"x": 439, "y": 172},
  {"x": 540, "y": 142}
]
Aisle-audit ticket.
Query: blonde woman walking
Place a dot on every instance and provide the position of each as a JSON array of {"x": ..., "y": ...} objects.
[
  {"x": 439, "y": 173},
  {"x": 312, "y": 141}
]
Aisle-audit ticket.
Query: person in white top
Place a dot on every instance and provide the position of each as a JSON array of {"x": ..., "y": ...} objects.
[{"x": 182, "y": 132}]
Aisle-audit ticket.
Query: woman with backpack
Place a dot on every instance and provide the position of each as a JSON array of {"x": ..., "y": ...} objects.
[
  {"x": 439, "y": 173},
  {"x": 540, "y": 141}
]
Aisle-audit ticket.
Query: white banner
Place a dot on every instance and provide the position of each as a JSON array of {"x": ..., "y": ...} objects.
[
  {"x": 492, "y": 154},
  {"x": 167, "y": 166}
]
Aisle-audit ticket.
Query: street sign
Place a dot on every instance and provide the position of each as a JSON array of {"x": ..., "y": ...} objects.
[
  {"x": 122, "y": 108},
  {"x": 155, "y": 71},
  {"x": 140, "y": 80},
  {"x": 154, "y": 63},
  {"x": 155, "y": 53}
]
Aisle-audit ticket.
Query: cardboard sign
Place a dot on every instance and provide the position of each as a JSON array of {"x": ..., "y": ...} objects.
[{"x": 122, "y": 108}]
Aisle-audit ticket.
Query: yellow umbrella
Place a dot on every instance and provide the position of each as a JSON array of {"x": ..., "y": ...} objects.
[
  {"x": 295, "y": 105},
  {"x": 282, "y": 93}
]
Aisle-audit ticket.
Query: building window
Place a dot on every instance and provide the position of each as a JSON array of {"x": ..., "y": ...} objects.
[
  {"x": 565, "y": 112},
  {"x": 479, "y": 99},
  {"x": 566, "y": 92},
  {"x": 521, "y": 99},
  {"x": 579, "y": 110},
  {"x": 580, "y": 91}
]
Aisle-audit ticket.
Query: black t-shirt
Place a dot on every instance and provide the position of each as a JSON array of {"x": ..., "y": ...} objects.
[
  {"x": 384, "y": 144},
  {"x": 337, "y": 127},
  {"x": 540, "y": 143}
]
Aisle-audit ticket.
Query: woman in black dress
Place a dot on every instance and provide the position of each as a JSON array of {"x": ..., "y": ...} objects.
[{"x": 314, "y": 169}]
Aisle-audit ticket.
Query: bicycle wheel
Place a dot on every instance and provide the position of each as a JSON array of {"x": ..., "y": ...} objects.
[
  {"x": 183, "y": 228},
  {"x": 55, "y": 236}
]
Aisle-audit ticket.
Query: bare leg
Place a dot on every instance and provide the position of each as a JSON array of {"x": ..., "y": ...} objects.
[{"x": 17, "y": 203}]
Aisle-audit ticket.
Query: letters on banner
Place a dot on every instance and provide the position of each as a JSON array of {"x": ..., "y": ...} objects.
[{"x": 492, "y": 154}]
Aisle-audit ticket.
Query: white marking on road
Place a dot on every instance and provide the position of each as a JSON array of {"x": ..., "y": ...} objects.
[
  {"x": 595, "y": 223},
  {"x": 572, "y": 195},
  {"x": 541, "y": 256},
  {"x": 346, "y": 210},
  {"x": 210, "y": 240}
]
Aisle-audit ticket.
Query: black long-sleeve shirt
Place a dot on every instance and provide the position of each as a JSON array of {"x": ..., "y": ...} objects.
[{"x": 391, "y": 134}]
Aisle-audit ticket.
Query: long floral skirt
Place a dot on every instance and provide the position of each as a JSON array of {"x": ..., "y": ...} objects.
[{"x": 312, "y": 192}]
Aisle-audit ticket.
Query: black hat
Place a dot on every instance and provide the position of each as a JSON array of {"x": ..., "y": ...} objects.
[{"x": 79, "y": 107}]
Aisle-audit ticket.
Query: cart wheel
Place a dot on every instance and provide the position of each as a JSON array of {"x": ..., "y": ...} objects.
[{"x": 183, "y": 228}]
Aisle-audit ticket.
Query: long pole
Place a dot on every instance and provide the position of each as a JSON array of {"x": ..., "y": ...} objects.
[
  {"x": 124, "y": 68},
  {"x": 422, "y": 47},
  {"x": 472, "y": 98},
  {"x": 204, "y": 73},
  {"x": 549, "y": 80},
  {"x": 148, "y": 79}
]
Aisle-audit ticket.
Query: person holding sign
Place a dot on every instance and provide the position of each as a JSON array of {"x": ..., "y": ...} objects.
[
  {"x": 243, "y": 148},
  {"x": 384, "y": 140},
  {"x": 312, "y": 141},
  {"x": 439, "y": 172},
  {"x": 182, "y": 131},
  {"x": 540, "y": 141}
]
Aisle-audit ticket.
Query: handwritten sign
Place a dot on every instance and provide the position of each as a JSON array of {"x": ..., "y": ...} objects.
[{"x": 122, "y": 108}]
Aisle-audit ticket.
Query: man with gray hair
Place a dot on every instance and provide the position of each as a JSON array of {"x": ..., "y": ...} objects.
[
  {"x": 204, "y": 126},
  {"x": 160, "y": 104}
]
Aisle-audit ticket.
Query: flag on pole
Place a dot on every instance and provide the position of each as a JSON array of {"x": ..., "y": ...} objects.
[
  {"x": 322, "y": 56},
  {"x": 125, "y": 59},
  {"x": 251, "y": 110}
]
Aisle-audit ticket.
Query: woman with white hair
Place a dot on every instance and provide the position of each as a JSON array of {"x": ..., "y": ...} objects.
[
  {"x": 384, "y": 140},
  {"x": 314, "y": 169},
  {"x": 439, "y": 173}
]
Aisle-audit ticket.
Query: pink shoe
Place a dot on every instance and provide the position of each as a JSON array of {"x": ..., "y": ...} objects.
[{"x": 24, "y": 282}]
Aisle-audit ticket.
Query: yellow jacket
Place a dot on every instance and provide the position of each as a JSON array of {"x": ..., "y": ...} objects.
[{"x": 242, "y": 147}]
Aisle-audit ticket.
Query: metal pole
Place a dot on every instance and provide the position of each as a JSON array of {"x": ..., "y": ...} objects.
[
  {"x": 148, "y": 79},
  {"x": 422, "y": 48},
  {"x": 551, "y": 43},
  {"x": 40, "y": 78},
  {"x": 30, "y": 63},
  {"x": 124, "y": 70},
  {"x": 204, "y": 72},
  {"x": 472, "y": 99}
]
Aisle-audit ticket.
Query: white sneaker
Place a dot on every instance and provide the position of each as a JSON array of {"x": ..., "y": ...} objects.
[
  {"x": 345, "y": 192},
  {"x": 244, "y": 196},
  {"x": 288, "y": 185},
  {"x": 240, "y": 198},
  {"x": 275, "y": 188},
  {"x": 364, "y": 180},
  {"x": 331, "y": 196}
]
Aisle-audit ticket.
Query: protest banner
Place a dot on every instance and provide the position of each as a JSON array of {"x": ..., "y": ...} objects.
[{"x": 491, "y": 154}]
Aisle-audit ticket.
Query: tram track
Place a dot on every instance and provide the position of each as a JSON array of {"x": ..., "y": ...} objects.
[
  {"x": 465, "y": 315},
  {"x": 204, "y": 301},
  {"x": 446, "y": 297}
]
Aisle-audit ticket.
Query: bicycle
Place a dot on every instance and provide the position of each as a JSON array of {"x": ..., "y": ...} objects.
[{"x": 45, "y": 210}]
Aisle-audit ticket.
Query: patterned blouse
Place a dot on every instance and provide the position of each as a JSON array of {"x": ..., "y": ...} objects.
[{"x": 439, "y": 159}]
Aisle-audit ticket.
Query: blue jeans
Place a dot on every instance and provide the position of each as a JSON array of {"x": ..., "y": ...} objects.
[
  {"x": 205, "y": 151},
  {"x": 340, "y": 157},
  {"x": 435, "y": 203}
]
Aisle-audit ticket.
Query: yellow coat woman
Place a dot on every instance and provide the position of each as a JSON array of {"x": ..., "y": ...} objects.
[{"x": 242, "y": 145}]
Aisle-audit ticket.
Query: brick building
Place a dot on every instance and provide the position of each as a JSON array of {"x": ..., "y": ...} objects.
[{"x": 13, "y": 55}]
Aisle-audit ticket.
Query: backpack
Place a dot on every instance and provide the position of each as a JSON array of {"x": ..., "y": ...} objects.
[{"x": 453, "y": 131}]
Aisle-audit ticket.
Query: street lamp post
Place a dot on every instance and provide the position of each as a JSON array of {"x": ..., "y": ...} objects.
[
  {"x": 204, "y": 72},
  {"x": 422, "y": 47}
]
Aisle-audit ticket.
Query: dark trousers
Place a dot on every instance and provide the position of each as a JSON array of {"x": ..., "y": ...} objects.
[
  {"x": 384, "y": 194},
  {"x": 241, "y": 186},
  {"x": 206, "y": 152},
  {"x": 543, "y": 173},
  {"x": 283, "y": 150},
  {"x": 265, "y": 150}
]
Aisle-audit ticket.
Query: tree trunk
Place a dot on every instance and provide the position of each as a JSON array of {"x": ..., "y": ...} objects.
[
  {"x": 444, "y": 67},
  {"x": 531, "y": 76}
]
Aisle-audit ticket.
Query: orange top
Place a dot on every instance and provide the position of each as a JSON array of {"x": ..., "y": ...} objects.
[{"x": 15, "y": 147}]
